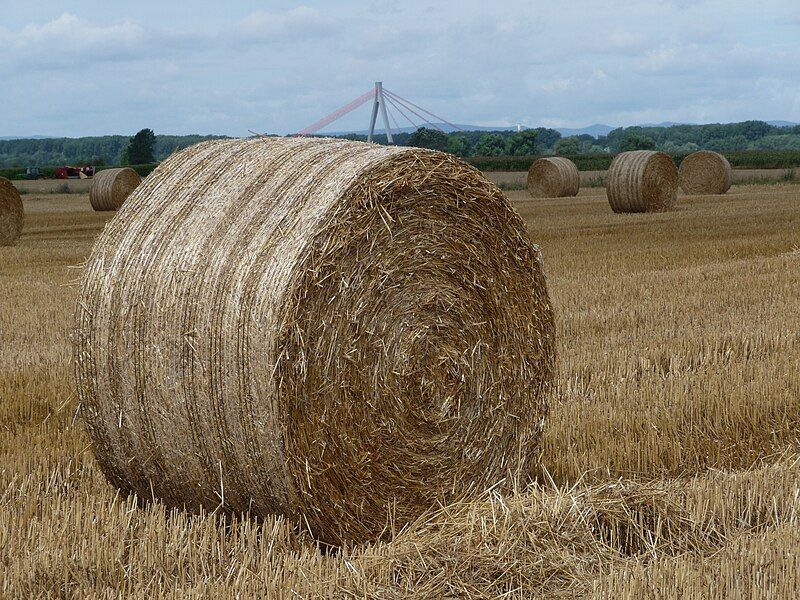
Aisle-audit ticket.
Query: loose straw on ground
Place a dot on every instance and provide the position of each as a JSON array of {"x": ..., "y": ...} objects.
[
  {"x": 642, "y": 181},
  {"x": 338, "y": 332}
]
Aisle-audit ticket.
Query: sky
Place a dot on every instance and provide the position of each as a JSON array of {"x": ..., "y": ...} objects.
[{"x": 95, "y": 67}]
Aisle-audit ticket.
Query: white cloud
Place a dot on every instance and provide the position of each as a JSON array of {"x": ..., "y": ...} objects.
[
  {"x": 297, "y": 24},
  {"x": 228, "y": 69},
  {"x": 74, "y": 37}
]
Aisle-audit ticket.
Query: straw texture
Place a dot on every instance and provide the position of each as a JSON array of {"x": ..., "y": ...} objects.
[
  {"x": 110, "y": 188},
  {"x": 642, "y": 181},
  {"x": 342, "y": 333},
  {"x": 554, "y": 177},
  {"x": 705, "y": 172},
  {"x": 12, "y": 214}
]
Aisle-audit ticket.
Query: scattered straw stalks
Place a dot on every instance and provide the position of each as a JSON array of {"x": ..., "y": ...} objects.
[
  {"x": 110, "y": 188},
  {"x": 553, "y": 177},
  {"x": 12, "y": 213},
  {"x": 642, "y": 181},
  {"x": 705, "y": 172},
  {"x": 337, "y": 332}
]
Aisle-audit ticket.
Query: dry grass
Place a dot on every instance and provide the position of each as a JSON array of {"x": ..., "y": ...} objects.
[{"x": 672, "y": 443}]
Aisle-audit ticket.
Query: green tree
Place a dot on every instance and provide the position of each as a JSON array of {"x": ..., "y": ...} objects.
[
  {"x": 728, "y": 144},
  {"x": 125, "y": 156},
  {"x": 546, "y": 139},
  {"x": 523, "y": 143},
  {"x": 429, "y": 138},
  {"x": 457, "y": 145},
  {"x": 491, "y": 144},
  {"x": 637, "y": 142},
  {"x": 140, "y": 149},
  {"x": 568, "y": 146}
]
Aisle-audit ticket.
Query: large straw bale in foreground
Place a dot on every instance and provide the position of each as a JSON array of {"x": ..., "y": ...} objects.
[
  {"x": 328, "y": 330},
  {"x": 12, "y": 214},
  {"x": 554, "y": 177},
  {"x": 110, "y": 187},
  {"x": 642, "y": 181},
  {"x": 705, "y": 172}
]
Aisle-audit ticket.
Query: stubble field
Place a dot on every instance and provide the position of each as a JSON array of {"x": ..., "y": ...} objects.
[{"x": 670, "y": 465}]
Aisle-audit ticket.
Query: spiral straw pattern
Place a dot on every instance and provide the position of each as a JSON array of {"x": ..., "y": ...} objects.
[
  {"x": 337, "y": 332},
  {"x": 705, "y": 172},
  {"x": 110, "y": 188},
  {"x": 554, "y": 177}
]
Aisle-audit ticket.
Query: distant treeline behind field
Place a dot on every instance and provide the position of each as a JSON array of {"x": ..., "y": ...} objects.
[
  {"x": 744, "y": 138},
  {"x": 102, "y": 150}
]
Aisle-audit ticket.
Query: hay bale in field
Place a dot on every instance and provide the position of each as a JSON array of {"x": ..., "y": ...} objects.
[
  {"x": 12, "y": 214},
  {"x": 327, "y": 330},
  {"x": 554, "y": 177},
  {"x": 705, "y": 172},
  {"x": 110, "y": 187},
  {"x": 642, "y": 181}
]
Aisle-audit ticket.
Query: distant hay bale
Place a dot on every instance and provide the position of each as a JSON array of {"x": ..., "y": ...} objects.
[
  {"x": 554, "y": 177},
  {"x": 332, "y": 331},
  {"x": 110, "y": 187},
  {"x": 642, "y": 181},
  {"x": 12, "y": 214},
  {"x": 705, "y": 172}
]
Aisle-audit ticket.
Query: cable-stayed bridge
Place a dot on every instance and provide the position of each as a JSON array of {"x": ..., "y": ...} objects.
[{"x": 389, "y": 105}]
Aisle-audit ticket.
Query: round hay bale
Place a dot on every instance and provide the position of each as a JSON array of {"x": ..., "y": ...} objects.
[
  {"x": 554, "y": 177},
  {"x": 110, "y": 187},
  {"x": 642, "y": 181},
  {"x": 705, "y": 172},
  {"x": 12, "y": 214},
  {"x": 338, "y": 332}
]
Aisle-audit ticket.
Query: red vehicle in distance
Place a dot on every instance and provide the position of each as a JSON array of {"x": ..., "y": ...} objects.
[{"x": 74, "y": 172}]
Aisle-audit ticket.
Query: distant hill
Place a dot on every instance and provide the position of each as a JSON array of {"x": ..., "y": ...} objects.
[
  {"x": 592, "y": 130},
  {"x": 26, "y": 137}
]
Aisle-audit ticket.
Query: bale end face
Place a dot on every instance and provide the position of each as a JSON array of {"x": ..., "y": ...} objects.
[
  {"x": 111, "y": 187},
  {"x": 337, "y": 332},
  {"x": 12, "y": 213},
  {"x": 642, "y": 181},
  {"x": 554, "y": 177},
  {"x": 705, "y": 172}
]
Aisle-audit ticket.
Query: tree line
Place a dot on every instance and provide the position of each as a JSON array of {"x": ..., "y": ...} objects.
[
  {"x": 676, "y": 139},
  {"x": 107, "y": 150},
  {"x": 146, "y": 147}
]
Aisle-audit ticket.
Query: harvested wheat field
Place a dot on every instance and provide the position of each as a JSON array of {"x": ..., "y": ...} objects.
[{"x": 670, "y": 462}]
